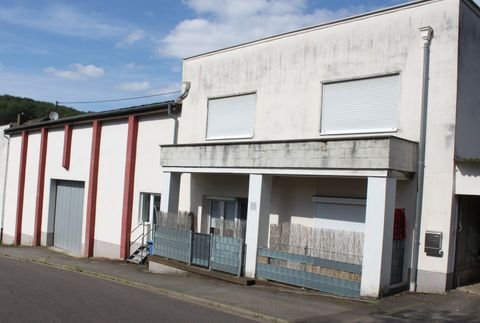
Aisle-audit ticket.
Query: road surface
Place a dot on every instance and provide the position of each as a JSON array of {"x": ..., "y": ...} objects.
[{"x": 31, "y": 292}]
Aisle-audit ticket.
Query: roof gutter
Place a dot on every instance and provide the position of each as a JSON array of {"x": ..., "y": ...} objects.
[
  {"x": 111, "y": 114},
  {"x": 427, "y": 35}
]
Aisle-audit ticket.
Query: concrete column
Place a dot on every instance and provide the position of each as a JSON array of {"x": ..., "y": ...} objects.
[
  {"x": 259, "y": 192},
  {"x": 170, "y": 192},
  {"x": 377, "y": 246}
]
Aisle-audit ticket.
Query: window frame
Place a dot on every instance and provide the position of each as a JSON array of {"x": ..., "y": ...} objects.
[{"x": 152, "y": 196}]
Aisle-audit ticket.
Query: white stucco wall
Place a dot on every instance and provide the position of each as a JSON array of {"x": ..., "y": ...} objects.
[
  {"x": 30, "y": 192},
  {"x": 111, "y": 173},
  {"x": 3, "y": 163},
  {"x": 11, "y": 189},
  {"x": 153, "y": 131},
  {"x": 78, "y": 171}
]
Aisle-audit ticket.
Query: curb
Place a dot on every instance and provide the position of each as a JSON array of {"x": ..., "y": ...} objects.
[{"x": 229, "y": 309}]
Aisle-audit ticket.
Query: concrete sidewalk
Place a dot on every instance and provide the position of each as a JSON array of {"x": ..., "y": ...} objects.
[{"x": 265, "y": 303}]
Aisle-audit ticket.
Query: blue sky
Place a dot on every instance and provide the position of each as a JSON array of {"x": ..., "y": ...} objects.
[{"x": 93, "y": 50}]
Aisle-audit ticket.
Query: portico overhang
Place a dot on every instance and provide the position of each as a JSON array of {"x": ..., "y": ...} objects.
[{"x": 379, "y": 156}]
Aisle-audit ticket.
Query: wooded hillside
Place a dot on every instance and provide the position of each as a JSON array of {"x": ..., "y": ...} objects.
[{"x": 10, "y": 106}]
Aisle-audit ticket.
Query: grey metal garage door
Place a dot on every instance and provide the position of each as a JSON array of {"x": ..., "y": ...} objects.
[{"x": 68, "y": 216}]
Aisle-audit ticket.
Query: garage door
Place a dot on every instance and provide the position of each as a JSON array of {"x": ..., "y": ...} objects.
[{"x": 68, "y": 216}]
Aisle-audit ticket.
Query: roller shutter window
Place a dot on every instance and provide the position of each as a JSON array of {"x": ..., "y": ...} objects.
[
  {"x": 361, "y": 106},
  {"x": 231, "y": 117}
]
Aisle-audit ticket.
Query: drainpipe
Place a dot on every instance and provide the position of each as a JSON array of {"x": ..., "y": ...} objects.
[
  {"x": 175, "y": 117},
  {"x": 4, "y": 188},
  {"x": 427, "y": 35}
]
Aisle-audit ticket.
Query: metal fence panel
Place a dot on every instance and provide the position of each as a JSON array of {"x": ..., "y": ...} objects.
[
  {"x": 309, "y": 280},
  {"x": 303, "y": 278},
  {"x": 227, "y": 254},
  {"x": 343, "y": 266},
  {"x": 172, "y": 243}
]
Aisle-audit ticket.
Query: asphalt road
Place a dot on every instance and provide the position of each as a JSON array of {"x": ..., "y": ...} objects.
[{"x": 31, "y": 292}]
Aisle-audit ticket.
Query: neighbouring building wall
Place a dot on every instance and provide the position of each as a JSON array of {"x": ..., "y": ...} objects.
[
  {"x": 153, "y": 131},
  {"x": 286, "y": 72},
  {"x": 111, "y": 173},
  {"x": 3, "y": 163},
  {"x": 467, "y": 130},
  {"x": 11, "y": 189},
  {"x": 78, "y": 171},
  {"x": 30, "y": 192}
]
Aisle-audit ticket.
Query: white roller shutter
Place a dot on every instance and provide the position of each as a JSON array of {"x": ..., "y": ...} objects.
[
  {"x": 231, "y": 117},
  {"x": 365, "y": 105}
]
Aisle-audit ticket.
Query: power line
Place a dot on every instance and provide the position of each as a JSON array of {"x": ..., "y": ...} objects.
[{"x": 116, "y": 100}]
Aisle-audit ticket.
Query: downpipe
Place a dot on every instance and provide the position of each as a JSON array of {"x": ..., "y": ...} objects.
[
  {"x": 427, "y": 35},
  {"x": 178, "y": 100}
]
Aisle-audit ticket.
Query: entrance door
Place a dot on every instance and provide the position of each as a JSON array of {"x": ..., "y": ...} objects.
[
  {"x": 228, "y": 217},
  {"x": 467, "y": 254},
  {"x": 68, "y": 216}
]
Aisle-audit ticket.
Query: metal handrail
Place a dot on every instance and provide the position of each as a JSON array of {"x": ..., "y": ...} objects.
[
  {"x": 138, "y": 225},
  {"x": 142, "y": 236}
]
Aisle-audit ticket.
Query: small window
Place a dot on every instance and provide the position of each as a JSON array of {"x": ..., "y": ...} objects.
[
  {"x": 231, "y": 117},
  {"x": 361, "y": 106},
  {"x": 149, "y": 207}
]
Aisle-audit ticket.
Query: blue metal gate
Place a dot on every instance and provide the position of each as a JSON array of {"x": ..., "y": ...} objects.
[{"x": 201, "y": 249}]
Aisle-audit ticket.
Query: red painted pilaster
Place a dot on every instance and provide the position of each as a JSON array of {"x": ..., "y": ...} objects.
[
  {"x": 128, "y": 185},
  {"x": 67, "y": 146},
  {"x": 40, "y": 187},
  {"x": 21, "y": 188},
  {"x": 92, "y": 188}
]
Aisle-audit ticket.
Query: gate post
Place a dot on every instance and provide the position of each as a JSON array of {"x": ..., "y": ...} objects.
[{"x": 190, "y": 248}]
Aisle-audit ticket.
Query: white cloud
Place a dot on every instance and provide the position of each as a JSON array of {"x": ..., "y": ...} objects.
[
  {"x": 76, "y": 72},
  {"x": 131, "y": 38},
  {"x": 61, "y": 19},
  {"x": 133, "y": 86},
  {"x": 132, "y": 66},
  {"x": 222, "y": 23}
]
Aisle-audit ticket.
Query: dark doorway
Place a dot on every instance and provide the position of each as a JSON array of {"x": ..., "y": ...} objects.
[{"x": 467, "y": 254}]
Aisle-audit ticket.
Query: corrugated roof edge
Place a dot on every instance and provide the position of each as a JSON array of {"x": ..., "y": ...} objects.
[
  {"x": 326, "y": 24},
  {"x": 104, "y": 115}
]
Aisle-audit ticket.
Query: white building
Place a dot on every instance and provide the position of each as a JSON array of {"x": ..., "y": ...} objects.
[
  {"x": 321, "y": 126},
  {"x": 318, "y": 130},
  {"x": 78, "y": 183}
]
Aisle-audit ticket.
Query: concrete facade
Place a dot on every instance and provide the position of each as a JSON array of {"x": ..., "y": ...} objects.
[{"x": 287, "y": 74}]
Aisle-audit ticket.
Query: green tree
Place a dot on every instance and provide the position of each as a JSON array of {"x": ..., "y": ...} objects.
[{"x": 11, "y": 106}]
